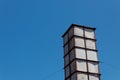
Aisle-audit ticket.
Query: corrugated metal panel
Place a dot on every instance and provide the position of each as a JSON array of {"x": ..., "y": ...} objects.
[
  {"x": 67, "y": 71},
  {"x": 71, "y": 43},
  {"x": 72, "y": 55},
  {"x": 78, "y": 31},
  {"x": 68, "y": 79},
  {"x": 90, "y": 44},
  {"x": 73, "y": 77},
  {"x": 81, "y": 65},
  {"x": 66, "y": 59},
  {"x": 89, "y": 33},
  {"x": 71, "y": 32},
  {"x": 81, "y": 76},
  {"x": 73, "y": 66},
  {"x": 93, "y": 67},
  {"x": 80, "y": 53},
  {"x": 93, "y": 77},
  {"x": 65, "y": 38},
  {"x": 66, "y": 49},
  {"x": 79, "y": 42},
  {"x": 92, "y": 55}
]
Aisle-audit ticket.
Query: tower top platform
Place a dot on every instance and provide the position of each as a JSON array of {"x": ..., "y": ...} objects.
[{"x": 76, "y": 25}]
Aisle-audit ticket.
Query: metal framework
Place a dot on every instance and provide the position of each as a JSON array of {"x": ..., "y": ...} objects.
[{"x": 80, "y": 53}]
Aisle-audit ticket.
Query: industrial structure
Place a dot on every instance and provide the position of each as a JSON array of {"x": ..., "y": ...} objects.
[{"x": 80, "y": 53}]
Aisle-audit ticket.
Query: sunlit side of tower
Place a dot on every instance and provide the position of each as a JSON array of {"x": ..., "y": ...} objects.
[{"x": 80, "y": 53}]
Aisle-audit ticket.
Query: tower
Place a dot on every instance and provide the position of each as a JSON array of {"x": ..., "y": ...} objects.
[{"x": 80, "y": 53}]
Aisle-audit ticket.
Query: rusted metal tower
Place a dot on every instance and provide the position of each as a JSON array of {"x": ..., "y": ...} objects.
[{"x": 80, "y": 53}]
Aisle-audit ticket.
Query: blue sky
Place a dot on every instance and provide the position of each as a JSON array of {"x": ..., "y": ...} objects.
[{"x": 30, "y": 36}]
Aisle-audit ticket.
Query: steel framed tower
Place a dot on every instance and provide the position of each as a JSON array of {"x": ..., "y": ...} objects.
[{"x": 80, "y": 53}]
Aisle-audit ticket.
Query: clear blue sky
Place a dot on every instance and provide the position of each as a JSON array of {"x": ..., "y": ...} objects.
[{"x": 30, "y": 36}]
